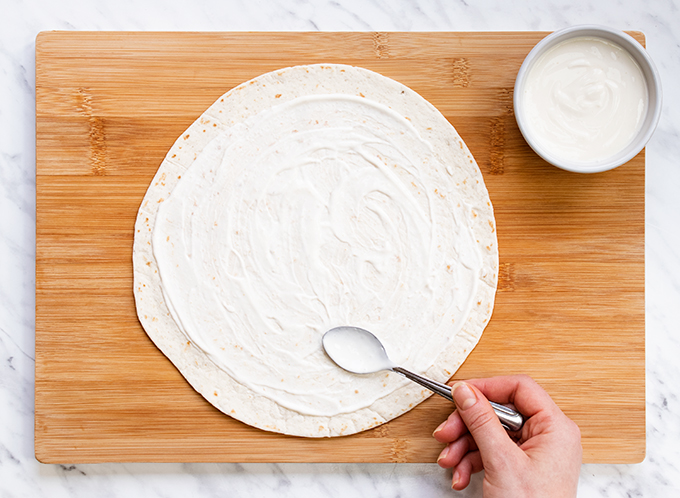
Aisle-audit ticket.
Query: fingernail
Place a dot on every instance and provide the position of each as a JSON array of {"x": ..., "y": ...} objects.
[
  {"x": 443, "y": 454},
  {"x": 441, "y": 426},
  {"x": 456, "y": 478},
  {"x": 463, "y": 395}
]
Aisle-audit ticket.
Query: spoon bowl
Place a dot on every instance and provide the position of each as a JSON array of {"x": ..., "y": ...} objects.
[{"x": 356, "y": 350}]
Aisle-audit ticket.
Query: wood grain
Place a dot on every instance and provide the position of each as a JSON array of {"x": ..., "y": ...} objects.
[{"x": 570, "y": 304}]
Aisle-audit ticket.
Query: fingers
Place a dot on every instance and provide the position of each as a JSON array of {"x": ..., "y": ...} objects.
[
  {"x": 482, "y": 422},
  {"x": 451, "y": 429},
  {"x": 520, "y": 390},
  {"x": 454, "y": 452},
  {"x": 471, "y": 464},
  {"x": 461, "y": 455}
]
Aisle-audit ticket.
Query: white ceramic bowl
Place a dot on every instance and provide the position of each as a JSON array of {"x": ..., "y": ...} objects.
[{"x": 653, "y": 87}]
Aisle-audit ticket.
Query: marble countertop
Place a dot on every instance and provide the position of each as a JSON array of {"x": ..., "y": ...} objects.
[{"x": 22, "y": 475}]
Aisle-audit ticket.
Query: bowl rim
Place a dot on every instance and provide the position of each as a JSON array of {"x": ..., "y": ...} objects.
[{"x": 650, "y": 73}]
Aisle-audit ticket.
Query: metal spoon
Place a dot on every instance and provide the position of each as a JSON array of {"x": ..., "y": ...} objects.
[{"x": 358, "y": 351}]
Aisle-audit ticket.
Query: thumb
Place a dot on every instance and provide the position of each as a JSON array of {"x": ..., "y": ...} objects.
[{"x": 481, "y": 420}]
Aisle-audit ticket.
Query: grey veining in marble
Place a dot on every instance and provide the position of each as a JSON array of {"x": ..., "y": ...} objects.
[{"x": 21, "y": 475}]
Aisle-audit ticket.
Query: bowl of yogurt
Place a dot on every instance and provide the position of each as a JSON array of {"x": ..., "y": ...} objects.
[{"x": 587, "y": 98}]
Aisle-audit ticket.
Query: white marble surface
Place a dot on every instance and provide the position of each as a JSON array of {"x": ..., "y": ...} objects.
[{"x": 22, "y": 475}]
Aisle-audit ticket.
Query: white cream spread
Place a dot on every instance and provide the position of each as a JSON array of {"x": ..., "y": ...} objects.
[
  {"x": 585, "y": 99},
  {"x": 323, "y": 211}
]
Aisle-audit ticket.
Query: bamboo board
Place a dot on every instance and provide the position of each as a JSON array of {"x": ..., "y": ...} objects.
[{"x": 570, "y": 304}]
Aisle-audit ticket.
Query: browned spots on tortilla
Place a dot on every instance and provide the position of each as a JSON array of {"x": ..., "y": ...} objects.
[
  {"x": 277, "y": 96},
  {"x": 96, "y": 132},
  {"x": 460, "y": 72},
  {"x": 381, "y": 46}
]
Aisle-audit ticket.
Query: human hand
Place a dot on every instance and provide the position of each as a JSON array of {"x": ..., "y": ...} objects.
[{"x": 541, "y": 460}]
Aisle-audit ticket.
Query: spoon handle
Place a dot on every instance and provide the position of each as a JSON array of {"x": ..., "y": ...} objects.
[{"x": 510, "y": 419}]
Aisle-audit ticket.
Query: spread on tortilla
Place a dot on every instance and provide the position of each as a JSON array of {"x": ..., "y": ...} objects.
[{"x": 305, "y": 199}]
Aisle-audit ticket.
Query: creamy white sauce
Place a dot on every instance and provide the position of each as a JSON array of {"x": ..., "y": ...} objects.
[
  {"x": 319, "y": 212},
  {"x": 585, "y": 99}
]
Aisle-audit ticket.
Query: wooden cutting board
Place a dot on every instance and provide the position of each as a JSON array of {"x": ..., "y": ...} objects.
[{"x": 570, "y": 303}]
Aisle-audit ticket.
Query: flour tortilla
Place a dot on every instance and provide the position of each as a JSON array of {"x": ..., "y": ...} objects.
[{"x": 236, "y": 106}]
